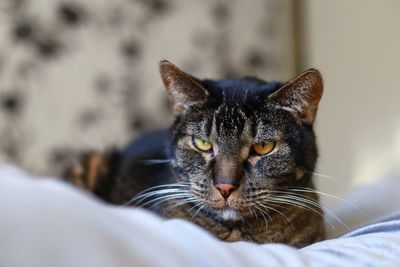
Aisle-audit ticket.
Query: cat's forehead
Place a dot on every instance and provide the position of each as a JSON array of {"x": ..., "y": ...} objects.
[
  {"x": 235, "y": 110},
  {"x": 235, "y": 123},
  {"x": 230, "y": 121}
]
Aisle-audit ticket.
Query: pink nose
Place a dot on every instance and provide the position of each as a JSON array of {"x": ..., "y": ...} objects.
[{"x": 226, "y": 189}]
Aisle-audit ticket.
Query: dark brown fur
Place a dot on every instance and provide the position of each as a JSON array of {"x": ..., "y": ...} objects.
[{"x": 272, "y": 197}]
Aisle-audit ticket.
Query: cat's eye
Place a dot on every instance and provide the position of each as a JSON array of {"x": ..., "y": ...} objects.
[
  {"x": 201, "y": 144},
  {"x": 265, "y": 147}
]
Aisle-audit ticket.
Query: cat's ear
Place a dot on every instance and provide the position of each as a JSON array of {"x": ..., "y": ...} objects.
[
  {"x": 300, "y": 96},
  {"x": 183, "y": 89}
]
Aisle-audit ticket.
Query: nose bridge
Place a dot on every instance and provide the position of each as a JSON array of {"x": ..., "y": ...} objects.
[{"x": 227, "y": 170}]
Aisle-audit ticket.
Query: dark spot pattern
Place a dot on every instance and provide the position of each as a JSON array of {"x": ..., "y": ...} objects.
[
  {"x": 48, "y": 48},
  {"x": 103, "y": 84},
  {"x": 256, "y": 59},
  {"x": 11, "y": 103},
  {"x": 138, "y": 124},
  {"x": 52, "y": 48},
  {"x": 221, "y": 13},
  {"x": 158, "y": 6},
  {"x": 89, "y": 117},
  {"x": 23, "y": 30},
  {"x": 70, "y": 13},
  {"x": 130, "y": 49}
]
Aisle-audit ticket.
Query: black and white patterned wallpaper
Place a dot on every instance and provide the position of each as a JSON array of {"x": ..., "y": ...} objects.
[{"x": 78, "y": 75}]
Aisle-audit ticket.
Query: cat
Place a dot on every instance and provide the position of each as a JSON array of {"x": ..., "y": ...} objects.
[{"x": 238, "y": 159}]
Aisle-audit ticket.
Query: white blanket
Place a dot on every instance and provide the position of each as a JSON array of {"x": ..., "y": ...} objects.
[{"x": 48, "y": 223}]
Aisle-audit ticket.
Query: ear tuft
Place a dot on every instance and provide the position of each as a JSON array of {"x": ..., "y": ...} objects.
[
  {"x": 183, "y": 90},
  {"x": 300, "y": 96}
]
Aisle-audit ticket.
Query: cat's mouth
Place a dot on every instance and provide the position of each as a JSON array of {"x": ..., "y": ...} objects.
[{"x": 229, "y": 210}]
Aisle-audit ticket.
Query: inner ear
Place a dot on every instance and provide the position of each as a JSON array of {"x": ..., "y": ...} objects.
[
  {"x": 300, "y": 96},
  {"x": 183, "y": 89}
]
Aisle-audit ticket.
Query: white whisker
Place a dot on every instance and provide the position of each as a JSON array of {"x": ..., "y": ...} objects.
[
  {"x": 301, "y": 200},
  {"x": 263, "y": 213},
  {"x": 310, "y": 190},
  {"x": 198, "y": 210},
  {"x": 295, "y": 203},
  {"x": 156, "y": 193},
  {"x": 323, "y": 175},
  {"x": 155, "y": 161},
  {"x": 161, "y": 199},
  {"x": 277, "y": 211},
  {"x": 180, "y": 203},
  {"x": 152, "y": 190}
]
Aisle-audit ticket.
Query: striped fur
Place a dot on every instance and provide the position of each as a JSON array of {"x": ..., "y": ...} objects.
[{"x": 274, "y": 198}]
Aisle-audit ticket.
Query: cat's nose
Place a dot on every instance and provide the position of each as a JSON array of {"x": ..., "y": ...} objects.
[{"x": 226, "y": 189}]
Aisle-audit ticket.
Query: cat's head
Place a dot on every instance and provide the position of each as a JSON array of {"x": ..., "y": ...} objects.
[{"x": 237, "y": 141}]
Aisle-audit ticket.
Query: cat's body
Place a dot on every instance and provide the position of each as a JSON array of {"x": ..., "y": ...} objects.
[{"x": 238, "y": 159}]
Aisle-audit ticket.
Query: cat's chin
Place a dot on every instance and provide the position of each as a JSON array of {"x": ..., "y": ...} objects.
[
  {"x": 229, "y": 214},
  {"x": 226, "y": 215}
]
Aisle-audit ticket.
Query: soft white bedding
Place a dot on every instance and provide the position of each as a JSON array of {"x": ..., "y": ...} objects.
[{"x": 48, "y": 223}]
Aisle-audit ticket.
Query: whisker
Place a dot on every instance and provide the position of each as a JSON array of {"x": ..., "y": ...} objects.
[
  {"x": 172, "y": 186},
  {"x": 253, "y": 212},
  {"x": 311, "y": 190},
  {"x": 140, "y": 198},
  {"x": 180, "y": 184},
  {"x": 277, "y": 211},
  {"x": 292, "y": 202},
  {"x": 198, "y": 210},
  {"x": 180, "y": 203},
  {"x": 262, "y": 212},
  {"x": 195, "y": 206},
  {"x": 323, "y": 175},
  {"x": 304, "y": 200},
  {"x": 292, "y": 190},
  {"x": 155, "y": 161},
  {"x": 161, "y": 199},
  {"x": 160, "y": 191}
]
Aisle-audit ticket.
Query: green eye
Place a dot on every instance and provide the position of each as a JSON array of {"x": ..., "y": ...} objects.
[
  {"x": 263, "y": 148},
  {"x": 201, "y": 144}
]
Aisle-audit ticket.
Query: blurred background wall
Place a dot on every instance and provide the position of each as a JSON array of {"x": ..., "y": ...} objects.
[
  {"x": 78, "y": 75},
  {"x": 356, "y": 45}
]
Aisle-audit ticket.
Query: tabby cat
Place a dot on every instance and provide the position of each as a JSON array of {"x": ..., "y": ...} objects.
[{"x": 238, "y": 160}]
